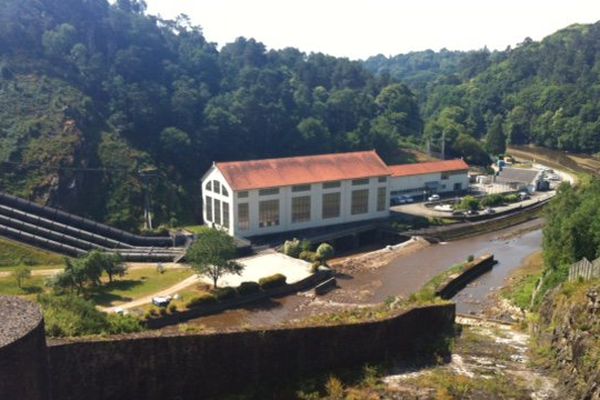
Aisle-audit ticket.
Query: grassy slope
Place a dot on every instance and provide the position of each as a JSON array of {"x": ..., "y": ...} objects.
[{"x": 13, "y": 254}]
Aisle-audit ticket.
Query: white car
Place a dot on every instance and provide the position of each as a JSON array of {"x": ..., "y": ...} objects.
[
  {"x": 434, "y": 197},
  {"x": 161, "y": 301}
]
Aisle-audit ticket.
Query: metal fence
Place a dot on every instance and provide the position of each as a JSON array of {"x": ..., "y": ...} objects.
[{"x": 585, "y": 269}]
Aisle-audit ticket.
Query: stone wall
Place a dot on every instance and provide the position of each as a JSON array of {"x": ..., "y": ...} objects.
[
  {"x": 200, "y": 366},
  {"x": 474, "y": 270},
  {"x": 23, "y": 358}
]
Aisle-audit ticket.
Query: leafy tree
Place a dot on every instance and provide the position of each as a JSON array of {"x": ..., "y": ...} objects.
[
  {"x": 112, "y": 264},
  {"x": 468, "y": 203},
  {"x": 21, "y": 273},
  {"x": 212, "y": 255},
  {"x": 78, "y": 274},
  {"x": 495, "y": 140}
]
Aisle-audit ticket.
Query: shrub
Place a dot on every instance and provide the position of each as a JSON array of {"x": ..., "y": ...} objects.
[
  {"x": 471, "y": 258},
  {"x": 512, "y": 198},
  {"x": 172, "y": 308},
  {"x": 292, "y": 248},
  {"x": 315, "y": 266},
  {"x": 162, "y": 311},
  {"x": 247, "y": 288},
  {"x": 273, "y": 281},
  {"x": 224, "y": 293},
  {"x": 493, "y": 200},
  {"x": 468, "y": 203},
  {"x": 305, "y": 245},
  {"x": 309, "y": 256},
  {"x": 153, "y": 312},
  {"x": 201, "y": 299},
  {"x": 325, "y": 251}
]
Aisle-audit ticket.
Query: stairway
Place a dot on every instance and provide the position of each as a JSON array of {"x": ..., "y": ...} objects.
[{"x": 72, "y": 235}]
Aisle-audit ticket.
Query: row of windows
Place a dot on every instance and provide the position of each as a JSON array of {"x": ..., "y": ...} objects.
[
  {"x": 215, "y": 186},
  {"x": 213, "y": 211},
  {"x": 268, "y": 210}
]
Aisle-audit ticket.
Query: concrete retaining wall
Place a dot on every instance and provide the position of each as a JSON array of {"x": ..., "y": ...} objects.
[
  {"x": 475, "y": 269},
  {"x": 203, "y": 366}
]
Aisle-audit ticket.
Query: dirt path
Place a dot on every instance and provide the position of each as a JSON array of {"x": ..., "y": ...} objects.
[
  {"x": 194, "y": 279},
  {"x": 130, "y": 267}
]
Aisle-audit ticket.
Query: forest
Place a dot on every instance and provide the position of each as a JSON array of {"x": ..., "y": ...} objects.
[{"x": 102, "y": 102}]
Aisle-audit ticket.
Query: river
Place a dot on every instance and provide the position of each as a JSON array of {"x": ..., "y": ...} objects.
[{"x": 402, "y": 277}]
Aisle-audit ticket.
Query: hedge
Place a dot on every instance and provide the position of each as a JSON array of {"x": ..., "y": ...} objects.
[
  {"x": 273, "y": 281},
  {"x": 246, "y": 288},
  {"x": 202, "y": 298},
  {"x": 224, "y": 293}
]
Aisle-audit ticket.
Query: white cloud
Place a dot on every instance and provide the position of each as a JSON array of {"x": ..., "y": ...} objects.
[{"x": 361, "y": 28}]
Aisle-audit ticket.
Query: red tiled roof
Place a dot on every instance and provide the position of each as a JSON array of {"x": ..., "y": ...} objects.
[
  {"x": 428, "y": 167},
  {"x": 276, "y": 172}
]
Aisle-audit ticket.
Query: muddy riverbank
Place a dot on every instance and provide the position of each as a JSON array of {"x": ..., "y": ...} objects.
[{"x": 400, "y": 277}]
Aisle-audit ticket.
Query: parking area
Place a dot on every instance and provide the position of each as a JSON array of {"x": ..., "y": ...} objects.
[{"x": 266, "y": 264}]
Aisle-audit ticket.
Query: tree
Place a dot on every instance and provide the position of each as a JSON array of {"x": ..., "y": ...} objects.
[
  {"x": 21, "y": 273},
  {"x": 212, "y": 255},
  {"x": 112, "y": 264},
  {"x": 495, "y": 140},
  {"x": 78, "y": 274}
]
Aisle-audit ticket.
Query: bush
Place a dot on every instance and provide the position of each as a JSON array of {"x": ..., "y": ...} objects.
[
  {"x": 70, "y": 315},
  {"x": 309, "y": 256},
  {"x": 292, "y": 248},
  {"x": 201, "y": 299},
  {"x": 273, "y": 281},
  {"x": 468, "y": 203},
  {"x": 471, "y": 258},
  {"x": 315, "y": 266},
  {"x": 247, "y": 288},
  {"x": 224, "y": 293},
  {"x": 162, "y": 311},
  {"x": 493, "y": 200},
  {"x": 512, "y": 198},
  {"x": 172, "y": 308},
  {"x": 325, "y": 251}
]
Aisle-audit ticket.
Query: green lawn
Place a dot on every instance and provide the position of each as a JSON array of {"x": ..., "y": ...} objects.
[
  {"x": 13, "y": 254},
  {"x": 136, "y": 284},
  {"x": 196, "y": 229},
  {"x": 33, "y": 285}
]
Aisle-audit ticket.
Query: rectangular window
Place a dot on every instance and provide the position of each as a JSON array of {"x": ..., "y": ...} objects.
[
  {"x": 301, "y": 188},
  {"x": 445, "y": 176},
  {"x": 225, "y": 215},
  {"x": 243, "y": 216},
  {"x": 356, "y": 182},
  {"x": 332, "y": 185},
  {"x": 382, "y": 179},
  {"x": 360, "y": 202},
  {"x": 208, "y": 186},
  {"x": 243, "y": 195},
  {"x": 268, "y": 192},
  {"x": 381, "y": 198},
  {"x": 268, "y": 213},
  {"x": 217, "y": 186},
  {"x": 224, "y": 191},
  {"x": 331, "y": 205},
  {"x": 300, "y": 209},
  {"x": 217, "y": 212},
  {"x": 209, "y": 209}
]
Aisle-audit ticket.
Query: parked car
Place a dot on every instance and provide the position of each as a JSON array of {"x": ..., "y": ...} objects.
[
  {"x": 434, "y": 197},
  {"x": 408, "y": 199},
  {"x": 396, "y": 200},
  {"x": 472, "y": 212},
  {"x": 489, "y": 211},
  {"x": 524, "y": 195},
  {"x": 161, "y": 301}
]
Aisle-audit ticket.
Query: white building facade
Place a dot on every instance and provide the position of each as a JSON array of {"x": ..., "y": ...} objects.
[
  {"x": 252, "y": 198},
  {"x": 428, "y": 178},
  {"x": 268, "y": 205}
]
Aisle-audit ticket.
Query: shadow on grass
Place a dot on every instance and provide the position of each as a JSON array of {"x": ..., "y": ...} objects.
[
  {"x": 103, "y": 296},
  {"x": 32, "y": 289}
]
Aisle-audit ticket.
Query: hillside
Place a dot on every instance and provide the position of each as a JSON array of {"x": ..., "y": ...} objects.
[
  {"x": 545, "y": 93},
  {"x": 94, "y": 95}
]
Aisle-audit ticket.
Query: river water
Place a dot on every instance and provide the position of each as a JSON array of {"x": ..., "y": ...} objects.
[{"x": 403, "y": 276}]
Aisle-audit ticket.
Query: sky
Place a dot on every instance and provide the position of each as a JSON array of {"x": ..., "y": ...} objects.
[{"x": 361, "y": 28}]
